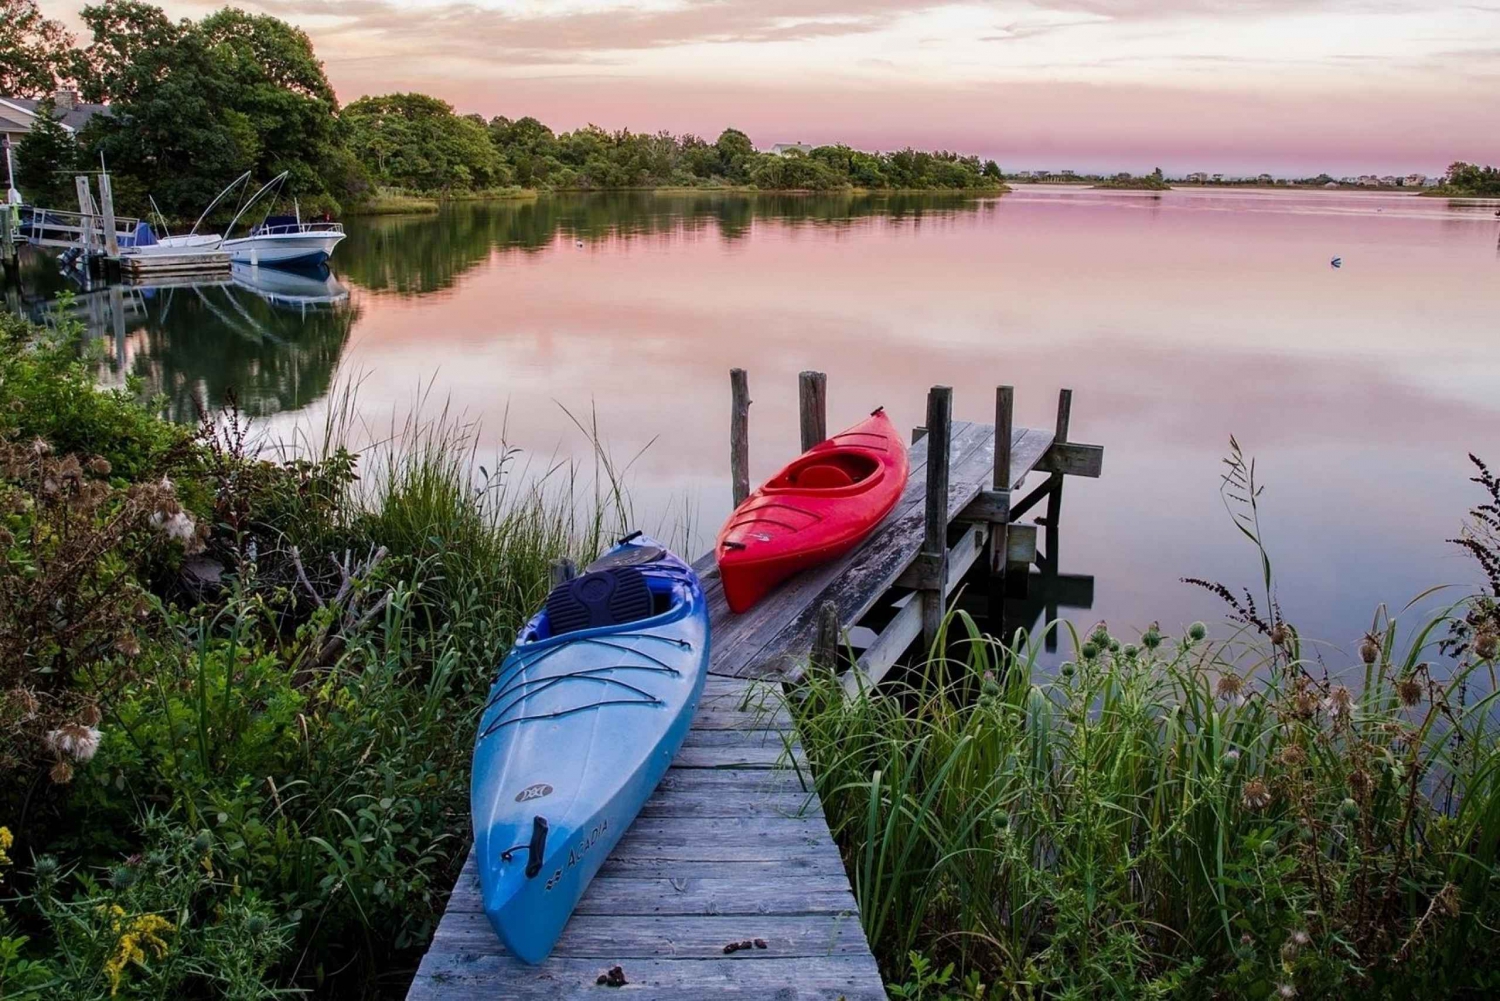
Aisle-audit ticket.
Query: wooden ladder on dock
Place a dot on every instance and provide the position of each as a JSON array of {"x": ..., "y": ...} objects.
[{"x": 733, "y": 847}]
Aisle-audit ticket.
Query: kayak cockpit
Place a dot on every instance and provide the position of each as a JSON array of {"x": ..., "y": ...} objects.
[{"x": 828, "y": 470}]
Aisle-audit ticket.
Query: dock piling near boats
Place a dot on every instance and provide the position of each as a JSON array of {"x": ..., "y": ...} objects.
[{"x": 733, "y": 847}]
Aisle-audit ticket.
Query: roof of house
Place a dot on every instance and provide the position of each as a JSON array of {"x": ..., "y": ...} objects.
[{"x": 74, "y": 119}]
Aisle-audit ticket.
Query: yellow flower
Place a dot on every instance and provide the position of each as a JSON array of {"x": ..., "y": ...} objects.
[
  {"x": 139, "y": 934},
  {"x": 6, "y": 840}
]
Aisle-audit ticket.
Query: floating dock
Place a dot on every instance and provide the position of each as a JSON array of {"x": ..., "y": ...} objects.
[{"x": 733, "y": 847}]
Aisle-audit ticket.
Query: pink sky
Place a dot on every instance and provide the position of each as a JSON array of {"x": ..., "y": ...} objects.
[{"x": 1287, "y": 86}]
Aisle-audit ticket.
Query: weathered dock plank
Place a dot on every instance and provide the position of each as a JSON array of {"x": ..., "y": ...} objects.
[{"x": 733, "y": 847}]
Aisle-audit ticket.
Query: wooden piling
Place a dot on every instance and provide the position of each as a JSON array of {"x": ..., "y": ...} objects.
[
  {"x": 999, "y": 558},
  {"x": 825, "y": 650},
  {"x": 561, "y": 571},
  {"x": 1054, "y": 497},
  {"x": 933, "y": 571},
  {"x": 85, "y": 211},
  {"x": 739, "y": 435},
  {"x": 107, "y": 210},
  {"x": 812, "y": 403}
]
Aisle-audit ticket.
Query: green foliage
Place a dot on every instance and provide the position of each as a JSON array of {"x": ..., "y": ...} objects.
[
  {"x": 1472, "y": 180},
  {"x": 46, "y": 158},
  {"x": 164, "y": 922},
  {"x": 196, "y": 104},
  {"x": 416, "y": 142},
  {"x": 33, "y": 50}
]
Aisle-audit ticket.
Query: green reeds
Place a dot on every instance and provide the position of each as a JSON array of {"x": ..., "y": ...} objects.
[{"x": 1160, "y": 816}]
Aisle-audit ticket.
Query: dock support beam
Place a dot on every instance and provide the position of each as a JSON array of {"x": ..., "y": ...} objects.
[
  {"x": 825, "y": 648},
  {"x": 999, "y": 558},
  {"x": 739, "y": 435},
  {"x": 812, "y": 406},
  {"x": 933, "y": 558},
  {"x": 1053, "y": 517}
]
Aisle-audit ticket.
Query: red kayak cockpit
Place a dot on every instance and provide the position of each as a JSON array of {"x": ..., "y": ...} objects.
[{"x": 827, "y": 469}]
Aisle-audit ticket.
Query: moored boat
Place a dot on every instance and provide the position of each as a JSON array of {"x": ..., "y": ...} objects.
[
  {"x": 816, "y": 508},
  {"x": 283, "y": 241},
  {"x": 586, "y": 714}
]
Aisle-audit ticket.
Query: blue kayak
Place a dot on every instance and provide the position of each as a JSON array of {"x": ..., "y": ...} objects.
[{"x": 589, "y": 708}]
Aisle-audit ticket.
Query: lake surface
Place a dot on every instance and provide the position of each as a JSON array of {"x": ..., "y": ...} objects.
[{"x": 1177, "y": 319}]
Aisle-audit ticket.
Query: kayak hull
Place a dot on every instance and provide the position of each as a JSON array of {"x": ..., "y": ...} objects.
[
  {"x": 578, "y": 732},
  {"x": 818, "y": 507}
]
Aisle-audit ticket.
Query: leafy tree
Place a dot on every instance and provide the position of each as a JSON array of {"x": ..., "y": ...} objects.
[
  {"x": 123, "y": 33},
  {"x": 1472, "y": 179},
  {"x": 33, "y": 50},
  {"x": 735, "y": 152},
  {"x": 417, "y": 142},
  {"x": 45, "y": 160}
]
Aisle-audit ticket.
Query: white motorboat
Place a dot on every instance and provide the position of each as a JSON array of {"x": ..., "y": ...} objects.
[{"x": 281, "y": 241}]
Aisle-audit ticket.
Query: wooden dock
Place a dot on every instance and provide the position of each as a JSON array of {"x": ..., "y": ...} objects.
[{"x": 734, "y": 847}]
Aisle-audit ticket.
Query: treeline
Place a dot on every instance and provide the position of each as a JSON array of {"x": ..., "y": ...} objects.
[
  {"x": 1471, "y": 180},
  {"x": 193, "y": 104}
]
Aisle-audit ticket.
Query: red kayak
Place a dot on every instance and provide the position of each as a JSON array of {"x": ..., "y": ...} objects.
[{"x": 818, "y": 507}]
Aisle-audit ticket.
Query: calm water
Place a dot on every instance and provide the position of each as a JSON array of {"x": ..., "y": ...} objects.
[{"x": 1178, "y": 320}]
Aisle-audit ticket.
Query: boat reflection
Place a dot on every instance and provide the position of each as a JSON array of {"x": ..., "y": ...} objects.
[{"x": 270, "y": 338}]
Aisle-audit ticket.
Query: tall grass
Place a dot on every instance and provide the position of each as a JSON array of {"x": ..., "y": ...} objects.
[{"x": 1176, "y": 816}]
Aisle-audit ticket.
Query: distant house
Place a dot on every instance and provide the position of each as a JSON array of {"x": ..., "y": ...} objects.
[
  {"x": 782, "y": 149},
  {"x": 1369, "y": 181},
  {"x": 1432, "y": 182},
  {"x": 1069, "y": 173},
  {"x": 1198, "y": 177},
  {"x": 1348, "y": 180},
  {"x": 1218, "y": 178},
  {"x": 1024, "y": 175},
  {"x": 19, "y": 114},
  {"x": 1265, "y": 179},
  {"x": 1413, "y": 180},
  {"x": 1390, "y": 180}
]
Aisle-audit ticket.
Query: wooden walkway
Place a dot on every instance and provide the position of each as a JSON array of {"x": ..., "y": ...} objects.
[{"x": 732, "y": 848}]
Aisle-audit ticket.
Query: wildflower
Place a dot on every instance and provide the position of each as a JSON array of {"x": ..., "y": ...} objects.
[
  {"x": 1339, "y": 702},
  {"x": 256, "y": 924},
  {"x": 61, "y": 773},
  {"x": 1151, "y": 638},
  {"x": 1089, "y": 651},
  {"x": 1101, "y": 635},
  {"x": 24, "y": 702},
  {"x": 1349, "y": 808},
  {"x": 178, "y": 527},
  {"x": 1230, "y": 759},
  {"x": 1230, "y": 688},
  {"x": 39, "y": 447},
  {"x": 122, "y": 877},
  {"x": 1360, "y": 783},
  {"x": 1286, "y": 990},
  {"x": 1280, "y": 634},
  {"x": 6, "y": 840},
  {"x": 1268, "y": 848},
  {"x": 1067, "y": 669},
  {"x": 1131, "y": 651},
  {"x": 99, "y": 466},
  {"x": 127, "y": 645},
  {"x": 74, "y": 740},
  {"x": 1300, "y": 938},
  {"x": 1256, "y": 795},
  {"x": 989, "y": 686},
  {"x": 1369, "y": 648},
  {"x": 1197, "y": 632},
  {"x": 1409, "y": 690},
  {"x": 90, "y": 715},
  {"x": 45, "y": 866},
  {"x": 1292, "y": 756},
  {"x": 1485, "y": 645},
  {"x": 136, "y": 937}
]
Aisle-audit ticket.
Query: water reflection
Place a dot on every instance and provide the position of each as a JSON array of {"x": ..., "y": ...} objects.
[
  {"x": 420, "y": 254},
  {"x": 273, "y": 339}
]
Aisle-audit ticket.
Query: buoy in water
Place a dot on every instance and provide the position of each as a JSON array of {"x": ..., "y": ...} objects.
[{"x": 1337, "y": 262}]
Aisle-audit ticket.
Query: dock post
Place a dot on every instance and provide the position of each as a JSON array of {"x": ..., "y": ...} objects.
[
  {"x": 561, "y": 571},
  {"x": 812, "y": 404},
  {"x": 825, "y": 648},
  {"x": 107, "y": 209},
  {"x": 10, "y": 246},
  {"x": 1054, "y": 497},
  {"x": 934, "y": 554},
  {"x": 739, "y": 435},
  {"x": 86, "y": 211},
  {"x": 1005, "y": 398}
]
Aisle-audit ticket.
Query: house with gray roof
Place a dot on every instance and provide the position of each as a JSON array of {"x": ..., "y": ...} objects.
[{"x": 18, "y": 114}]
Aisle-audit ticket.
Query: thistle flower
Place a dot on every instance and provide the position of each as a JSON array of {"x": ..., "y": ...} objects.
[
  {"x": 1286, "y": 990},
  {"x": 1197, "y": 632},
  {"x": 1151, "y": 638},
  {"x": 1292, "y": 756},
  {"x": 1089, "y": 651},
  {"x": 1280, "y": 634},
  {"x": 61, "y": 773},
  {"x": 1360, "y": 783},
  {"x": 74, "y": 740},
  {"x": 1339, "y": 702},
  {"x": 1369, "y": 648},
  {"x": 1256, "y": 795},
  {"x": 127, "y": 645},
  {"x": 100, "y": 466},
  {"x": 1349, "y": 808},
  {"x": 1230, "y": 687},
  {"x": 1409, "y": 690},
  {"x": 24, "y": 701},
  {"x": 1230, "y": 759},
  {"x": 1101, "y": 635},
  {"x": 39, "y": 447},
  {"x": 1300, "y": 938},
  {"x": 1486, "y": 644},
  {"x": 90, "y": 715}
]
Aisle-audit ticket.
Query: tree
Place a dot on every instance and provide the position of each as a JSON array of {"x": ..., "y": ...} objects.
[
  {"x": 735, "y": 152},
  {"x": 992, "y": 170},
  {"x": 45, "y": 160},
  {"x": 417, "y": 142},
  {"x": 122, "y": 33},
  {"x": 34, "y": 50}
]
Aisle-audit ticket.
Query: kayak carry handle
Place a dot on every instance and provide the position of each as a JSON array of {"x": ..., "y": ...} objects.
[
  {"x": 538, "y": 846},
  {"x": 631, "y": 537},
  {"x": 534, "y": 851},
  {"x": 877, "y": 410}
]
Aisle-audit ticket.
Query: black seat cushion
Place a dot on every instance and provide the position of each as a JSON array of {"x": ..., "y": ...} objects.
[{"x": 600, "y": 598}]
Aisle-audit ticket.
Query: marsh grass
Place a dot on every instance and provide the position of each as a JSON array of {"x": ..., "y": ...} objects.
[{"x": 1182, "y": 816}]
